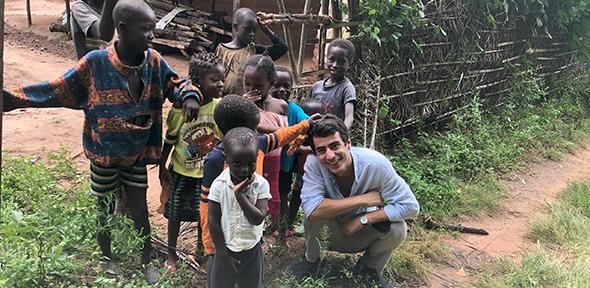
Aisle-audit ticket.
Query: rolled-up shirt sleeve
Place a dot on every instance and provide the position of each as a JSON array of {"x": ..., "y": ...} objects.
[
  {"x": 402, "y": 202},
  {"x": 313, "y": 190}
]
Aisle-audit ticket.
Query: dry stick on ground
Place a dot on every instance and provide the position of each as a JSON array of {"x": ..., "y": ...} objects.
[
  {"x": 161, "y": 247},
  {"x": 433, "y": 225}
]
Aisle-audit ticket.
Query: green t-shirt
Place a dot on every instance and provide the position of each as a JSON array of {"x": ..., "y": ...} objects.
[{"x": 193, "y": 140}]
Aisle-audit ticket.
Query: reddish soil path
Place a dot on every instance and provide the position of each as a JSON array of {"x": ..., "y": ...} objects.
[{"x": 528, "y": 195}]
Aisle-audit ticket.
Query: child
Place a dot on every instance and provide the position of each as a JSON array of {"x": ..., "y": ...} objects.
[
  {"x": 234, "y": 54},
  {"x": 236, "y": 111},
  {"x": 336, "y": 93},
  {"x": 310, "y": 107},
  {"x": 259, "y": 76},
  {"x": 238, "y": 202},
  {"x": 191, "y": 142},
  {"x": 281, "y": 89},
  {"x": 121, "y": 90}
]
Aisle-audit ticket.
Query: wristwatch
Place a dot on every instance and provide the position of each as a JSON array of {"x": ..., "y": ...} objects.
[{"x": 364, "y": 219}]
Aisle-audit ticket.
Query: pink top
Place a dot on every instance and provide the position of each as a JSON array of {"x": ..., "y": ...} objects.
[{"x": 274, "y": 120}]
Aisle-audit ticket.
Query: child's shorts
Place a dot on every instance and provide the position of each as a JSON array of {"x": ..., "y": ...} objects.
[
  {"x": 183, "y": 203},
  {"x": 104, "y": 180}
]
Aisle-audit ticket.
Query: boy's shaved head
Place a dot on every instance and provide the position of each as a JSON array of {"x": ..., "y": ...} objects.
[
  {"x": 244, "y": 14},
  {"x": 129, "y": 11}
]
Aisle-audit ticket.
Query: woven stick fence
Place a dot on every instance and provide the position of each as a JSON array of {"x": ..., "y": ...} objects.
[{"x": 423, "y": 84}]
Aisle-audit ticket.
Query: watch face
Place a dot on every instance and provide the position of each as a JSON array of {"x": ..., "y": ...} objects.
[{"x": 364, "y": 220}]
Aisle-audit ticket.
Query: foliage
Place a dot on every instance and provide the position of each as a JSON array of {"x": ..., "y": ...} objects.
[
  {"x": 48, "y": 228},
  {"x": 561, "y": 257},
  {"x": 448, "y": 170}
]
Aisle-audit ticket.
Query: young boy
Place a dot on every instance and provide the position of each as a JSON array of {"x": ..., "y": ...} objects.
[
  {"x": 336, "y": 92},
  {"x": 121, "y": 90},
  {"x": 236, "y": 111},
  {"x": 234, "y": 54},
  {"x": 238, "y": 202},
  {"x": 190, "y": 142}
]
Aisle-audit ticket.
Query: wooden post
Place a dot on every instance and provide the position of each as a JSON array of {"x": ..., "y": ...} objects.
[
  {"x": 289, "y": 40},
  {"x": 29, "y": 18},
  {"x": 68, "y": 15},
  {"x": 337, "y": 14},
  {"x": 353, "y": 12},
  {"x": 303, "y": 39},
  {"x": 1, "y": 86},
  {"x": 322, "y": 43},
  {"x": 236, "y": 7}
]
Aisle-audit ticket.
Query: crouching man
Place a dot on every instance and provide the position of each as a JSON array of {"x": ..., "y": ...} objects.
[{"x": 357, "y": 194}]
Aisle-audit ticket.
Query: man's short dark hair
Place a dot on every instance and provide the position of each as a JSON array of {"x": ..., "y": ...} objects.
[
  {"x": 236, "y": 111},
  {"x": 344, "y": 44},
  {"x": 239, "y": 136},
  {"x": 326, "y": 126}
]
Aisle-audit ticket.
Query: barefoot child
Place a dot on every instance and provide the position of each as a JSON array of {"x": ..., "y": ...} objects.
[
  {"x": 234, "y": 54},
  {"x": 281, "y": 89},
  {"x": 336, "y": 93},
  {"x": 238, "y": 202},
  {"x": 191, "y": 142},
  {"x": 236, "y": 111},
  {"x": 121, "y": 91},
  {"x": 259, "y": 76}
]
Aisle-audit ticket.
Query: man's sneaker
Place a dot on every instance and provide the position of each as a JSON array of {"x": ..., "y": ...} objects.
[{"x": 304, "y": 267}]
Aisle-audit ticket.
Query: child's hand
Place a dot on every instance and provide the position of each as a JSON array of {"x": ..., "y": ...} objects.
[
  {"x": 253, "y": 95},
  {"x": 190, "y": 109},
  {"x": 263, "y": 27},
  {"x": 228, "y": 262},
  {"x": 314, "y": 117},
  {"x": 165, "y": 176},
  {"x": 244, "y": 184}
]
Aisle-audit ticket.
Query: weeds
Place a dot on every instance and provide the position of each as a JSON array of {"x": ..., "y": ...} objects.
[{"x": 561, "y": 257}]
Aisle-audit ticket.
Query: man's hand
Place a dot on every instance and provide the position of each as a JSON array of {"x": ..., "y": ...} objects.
[
  {"x": 253, "y": 95},
  {"x": 371, "y": 199},
  {"x": 351, "y": 225},
  {"x": 190, "y": 109}
]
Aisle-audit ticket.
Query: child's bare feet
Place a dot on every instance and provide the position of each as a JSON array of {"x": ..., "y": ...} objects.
[
  {"x": 152, "y": 274},
  {"x": 109, "y": 267},
  {"x": 170, "y": 262}
]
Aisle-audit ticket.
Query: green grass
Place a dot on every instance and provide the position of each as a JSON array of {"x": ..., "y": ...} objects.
[
  {"x": 48, "y": 228},
  {"x": 454, "y": 172},
  {"x": 561, "y": 257}
]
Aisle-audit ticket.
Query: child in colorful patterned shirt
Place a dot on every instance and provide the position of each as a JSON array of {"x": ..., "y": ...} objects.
[{"x": 121, "y": 91}]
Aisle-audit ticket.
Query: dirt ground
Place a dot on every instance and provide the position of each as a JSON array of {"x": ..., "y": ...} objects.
[{"x": 34, "y": 54}]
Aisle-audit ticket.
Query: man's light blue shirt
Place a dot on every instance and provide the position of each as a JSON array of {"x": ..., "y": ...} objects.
[{"x": 372, "y": 172}]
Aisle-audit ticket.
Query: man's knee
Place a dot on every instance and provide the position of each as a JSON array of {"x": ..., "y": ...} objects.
[{"x": 397, "y": 232}]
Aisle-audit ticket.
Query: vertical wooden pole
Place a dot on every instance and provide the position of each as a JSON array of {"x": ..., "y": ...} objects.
[
  {"x": 337, "y": 14},
  {"x": 353, "y": 12},
  {"x": 303, "y": 39},
  {"x": 68, "y": 15},
  {"x": 236, "y": 7},
  {"x": 29, "y": 18},
  {"x": 322, "y": 43},
  {"x": 289, "y": 40},
  {"x": 1, "y": 86}
]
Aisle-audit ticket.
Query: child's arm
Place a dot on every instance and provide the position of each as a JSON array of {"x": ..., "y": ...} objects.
[
  {"x": 217, "y": 235},
  {"x": 348, "y": 114},
  {"x": 69, "y": 91},
  {"x": 278, "y": 48},
  {"x": 174, "y": 122},
  {"x": 176, "y": 89},
  {"x": 254, "y": 213},
  {"x": 284, "y": 136},
  {"x": 212, "y": 167}
]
